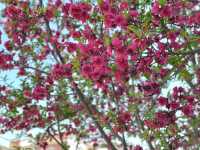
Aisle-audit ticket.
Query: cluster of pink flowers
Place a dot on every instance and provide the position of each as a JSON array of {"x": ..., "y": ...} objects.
[
  {"x": 161, "y": 120},
  {"x": 6, "y": 61},
  {"x": 40, "y": 92},
  {"x": 123, "y": 52},
  {"x": 150, "y": 88},
  {"x": 124, "y": 117},
  {"x": 79, "y": 11},
  {"x": 61, "y": 71}
]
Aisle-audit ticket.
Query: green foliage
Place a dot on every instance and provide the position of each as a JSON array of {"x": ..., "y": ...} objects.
[
  {"x": 112, "y": 116},
  {"x": 13, "y": 113},
  {"x": 58, "y": 13},
  {"x": 162, "y": 2},
  {"x": 161, "y": 136},
  {"x": 133, "y": 108},
  {"x": 66, "y": 111},
  {"x": 135, "y": 29},
  {"x": 185, "y": 75},
  {"x": 107, "y": 40},
  {"x": 195, "y": 122},
  {"x": 174, "y": 60},
  {"x": 150, "y": 114},
  {"x": 75, "y": 64}
]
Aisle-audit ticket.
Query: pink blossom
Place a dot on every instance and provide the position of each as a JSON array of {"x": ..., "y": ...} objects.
[{"x": 39, "y": 92}]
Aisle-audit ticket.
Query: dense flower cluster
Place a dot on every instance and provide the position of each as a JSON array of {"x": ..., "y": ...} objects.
[
  {"x": 39, "y": 92},
  {"x": 6, "y": 61},
  {"x": 162, "y": 119},
  {"x": 61, "y": 71},
  {"x": 109, "y": 69}
]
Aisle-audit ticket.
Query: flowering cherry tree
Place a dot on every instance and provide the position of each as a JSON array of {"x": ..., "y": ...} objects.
[{"x": 100, "y": 70}]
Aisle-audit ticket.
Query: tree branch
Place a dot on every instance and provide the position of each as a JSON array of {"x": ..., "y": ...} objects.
[
  {"x": 143, "y": 129},
  {"x": 49, "y": 36}
]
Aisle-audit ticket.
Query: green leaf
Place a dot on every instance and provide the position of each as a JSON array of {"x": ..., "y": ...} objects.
[
  {"x": 13, "y": 113},
  {"x": 41, "y": 10},
  {"x": 174, "y": 60},
  {"x": 132, "y": 108},
  {"x": 75, "y": 64},
  {"x": 112, "y": 115},
  {"x": 185, "y": 75},
  {"x": 147, "y": 17},
  {"x": 136, "y": 30},
  {"x": 107, "y": 41},
  {"x": 162, "y": 2},
  {"x": 41, "y": 41},
  {"x": 195, "y": 122},
  {"x": 99, "y": 2},
  {"x": 57, "y": 13},
  {"x": 150, "y": 114},
  {"x": 134, "y": 94},
  {"x": 145, "y": 135},
  {"x": 89, "y": 83},
  {"x": 113, "y": 67},
  {"x": 146, "y": 75},
  {"x": 66, "y": 111}
]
